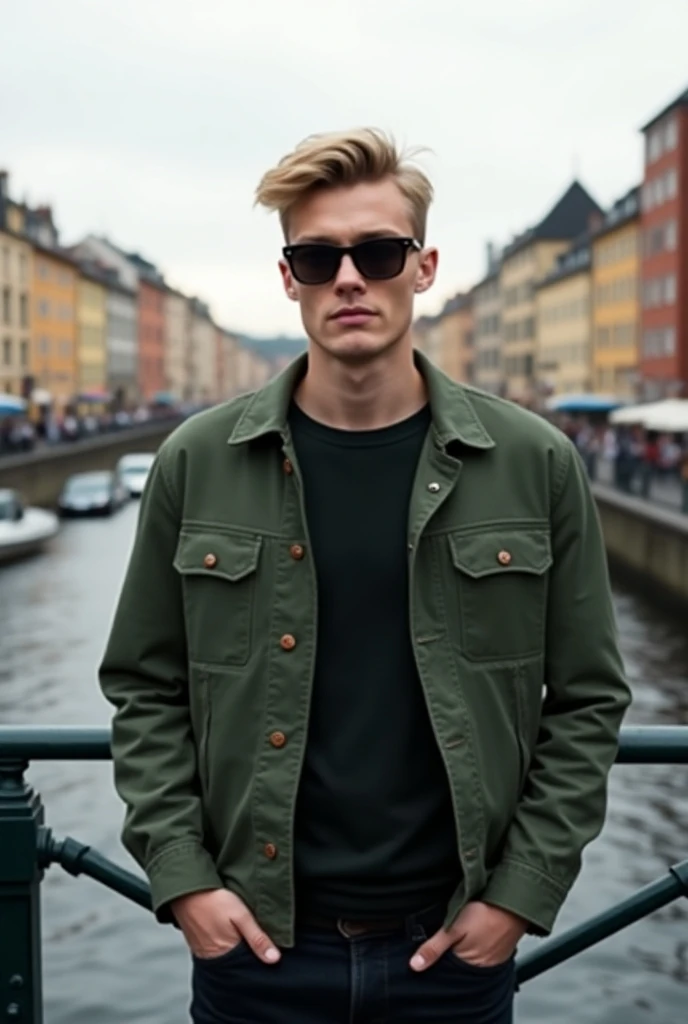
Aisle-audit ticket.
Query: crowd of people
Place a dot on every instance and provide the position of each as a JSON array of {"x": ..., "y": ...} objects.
[
  {"x": 22, "y": 434},
  {"x": 637, "y": 458}
]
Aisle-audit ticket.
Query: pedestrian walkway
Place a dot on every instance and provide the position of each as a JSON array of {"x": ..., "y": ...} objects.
[{"x": 665, "y": 492}]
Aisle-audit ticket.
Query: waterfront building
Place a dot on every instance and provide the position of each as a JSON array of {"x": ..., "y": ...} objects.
[
  {"x": 487, "y": 329},
  {"x": 177, "y": 342},
  {"x": 202, "y": 384},
  {"x": 91, "y": 346},
  {"x": 54, "y": 328},
  {"x": 564, "y": 323},
  {"x": 615, "y": 299},
  {"x": 526, "y": 261},
  {"x": 664, "y": 343},
  {"x": 16, "y": 278}
]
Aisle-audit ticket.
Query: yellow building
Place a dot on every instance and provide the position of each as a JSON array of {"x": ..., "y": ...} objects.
[
  {"x": 526, "y": 261},
  {"x": 53, "y": 347},
  {"x": 564, "y": 324},
  {"x": 15, "y": 314},
  {"x": 427, "y": 336},
  {"x": 456, "y": 339},
  {"x": 91, "y": 348},
  {"x": 487, "y": 331},
  {"x": 616, "y": 302},
  {"x": 447, "y": 339}
]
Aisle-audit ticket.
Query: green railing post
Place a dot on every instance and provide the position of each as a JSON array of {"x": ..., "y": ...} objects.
[{"x": 21, "y": 816}]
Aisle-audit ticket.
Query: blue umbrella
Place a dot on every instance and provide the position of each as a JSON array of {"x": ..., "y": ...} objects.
[
  {"x": 584, "y": 403},
  {"x": 10, "y": 405}
]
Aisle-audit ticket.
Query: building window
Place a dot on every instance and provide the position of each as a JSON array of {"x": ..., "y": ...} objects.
[
  {"x": 670, "y": 289},
  {"x": 670, "y": 235},
  {"x": 659, "y": 343},
  {"x": 660, "y": 194},
  {"x": 24, "y": 353},
  {"x": 24, "y": 310},
  {"x": 7, "y": 352},
  {"x": 671, "y": 134},
  {"x": 23, "y": 268},
  {"x": 671, "y": 184},
  {"x": 42, "y": 270},
  {"x": 6, "y": 263},
  {"x": 6, "y": 306},
  {"x": 654, "y": 144}
]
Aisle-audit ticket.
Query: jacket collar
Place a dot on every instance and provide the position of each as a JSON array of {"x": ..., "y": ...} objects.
[{"x": 453, "y": 415}]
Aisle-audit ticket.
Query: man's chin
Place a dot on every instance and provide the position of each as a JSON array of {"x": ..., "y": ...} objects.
[{"x": 356, "y": 348}]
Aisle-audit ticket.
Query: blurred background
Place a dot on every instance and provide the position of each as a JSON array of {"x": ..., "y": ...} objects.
[{"x": 138, "y": 285}]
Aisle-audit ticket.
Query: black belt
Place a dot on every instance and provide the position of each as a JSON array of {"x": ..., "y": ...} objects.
[{"x": 430, "y": 920}]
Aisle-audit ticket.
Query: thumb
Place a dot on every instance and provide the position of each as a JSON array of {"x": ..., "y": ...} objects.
[
  {"x": 430, "y": 952},
  {"x": 255, "y": 937}
]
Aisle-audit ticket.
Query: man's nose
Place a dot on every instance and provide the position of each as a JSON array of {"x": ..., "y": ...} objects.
[{"x": 348, "y": 277}]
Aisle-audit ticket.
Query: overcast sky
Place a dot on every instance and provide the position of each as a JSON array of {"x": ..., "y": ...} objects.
[{"x": 152, "y": 120}]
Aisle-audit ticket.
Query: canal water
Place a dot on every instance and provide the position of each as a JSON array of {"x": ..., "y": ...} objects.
[{"x": 108, "y": 962}]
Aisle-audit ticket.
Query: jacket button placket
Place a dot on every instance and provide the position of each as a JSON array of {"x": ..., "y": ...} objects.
[{"x": 287, "y": 678}]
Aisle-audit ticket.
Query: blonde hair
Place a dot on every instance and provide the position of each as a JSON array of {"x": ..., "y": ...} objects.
[{"x": 345, "y": 158}]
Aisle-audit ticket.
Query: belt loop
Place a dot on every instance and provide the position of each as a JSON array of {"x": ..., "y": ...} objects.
[{"x": 415, "y": 930}]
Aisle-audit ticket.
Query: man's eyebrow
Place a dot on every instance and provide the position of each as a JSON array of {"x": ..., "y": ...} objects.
[{"x": 363, "y": 236}]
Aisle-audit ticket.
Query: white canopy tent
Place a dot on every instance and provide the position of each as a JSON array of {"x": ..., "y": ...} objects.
[
  {"x": 673, "y": 419},
  {"x": 632, "y": 415}
]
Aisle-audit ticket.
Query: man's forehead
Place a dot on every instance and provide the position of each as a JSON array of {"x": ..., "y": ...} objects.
[{"x": 347, "y": 214}]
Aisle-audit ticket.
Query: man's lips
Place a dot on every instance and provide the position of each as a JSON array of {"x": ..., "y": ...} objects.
[{"x": 355, "y": 315}]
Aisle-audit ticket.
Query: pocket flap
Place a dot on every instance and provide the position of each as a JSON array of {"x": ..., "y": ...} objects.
[
  {"x": 227, "y": 556},
  {"x": 501, "y": 551}
]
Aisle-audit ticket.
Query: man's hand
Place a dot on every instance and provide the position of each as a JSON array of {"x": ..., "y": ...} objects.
[
  {"x": 482, "y": 935},
  {"x": 215, "y": 921}
]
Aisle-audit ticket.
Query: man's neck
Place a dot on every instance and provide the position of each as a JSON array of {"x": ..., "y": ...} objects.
[{"x": 366, "y": 396}]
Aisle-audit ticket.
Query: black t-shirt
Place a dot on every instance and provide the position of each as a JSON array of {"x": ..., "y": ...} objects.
[{"x": 375, "y": 829}]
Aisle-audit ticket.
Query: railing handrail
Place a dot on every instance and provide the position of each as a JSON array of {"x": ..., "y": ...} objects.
[
  {"x": 28, "y": 848},
  {"x": 638, "y": 744}
]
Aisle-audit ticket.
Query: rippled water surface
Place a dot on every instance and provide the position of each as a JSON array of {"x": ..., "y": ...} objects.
[{"x": 107, "y": 962}]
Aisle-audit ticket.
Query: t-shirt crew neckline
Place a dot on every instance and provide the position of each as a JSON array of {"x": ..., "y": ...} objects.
[{"x": 377, "y": 437}]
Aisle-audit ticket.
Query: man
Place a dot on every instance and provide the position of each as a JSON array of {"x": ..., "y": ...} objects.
[{"x": 364, "y": 663}]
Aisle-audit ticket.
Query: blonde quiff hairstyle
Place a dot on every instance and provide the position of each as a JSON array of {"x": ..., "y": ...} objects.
[{"x": 345, "y": 158}]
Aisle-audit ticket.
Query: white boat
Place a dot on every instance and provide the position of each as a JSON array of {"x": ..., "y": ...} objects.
[{"x": 23, "y": 531}]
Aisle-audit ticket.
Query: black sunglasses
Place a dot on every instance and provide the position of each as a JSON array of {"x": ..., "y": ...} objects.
[{"x": 377, "y": 259}]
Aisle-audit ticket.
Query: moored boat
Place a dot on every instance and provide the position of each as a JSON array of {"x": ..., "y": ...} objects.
[{"x": 23, "y": 530}]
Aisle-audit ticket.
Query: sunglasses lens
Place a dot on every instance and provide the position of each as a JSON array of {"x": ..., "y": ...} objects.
[
  {"x": 380, "y": 258},
  {"x": 314, "y": 264}
]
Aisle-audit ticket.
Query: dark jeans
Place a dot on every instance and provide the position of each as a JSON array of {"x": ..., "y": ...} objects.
[{"x": 330, "y": 979}]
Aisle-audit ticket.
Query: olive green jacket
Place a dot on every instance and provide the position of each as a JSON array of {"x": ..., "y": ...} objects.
[{"x": 210, "y": 660}]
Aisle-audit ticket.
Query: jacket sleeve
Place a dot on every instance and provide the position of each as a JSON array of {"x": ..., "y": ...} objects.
[
  {"x": 563, "y": 804},
  {"x": 144, "y": 675}
]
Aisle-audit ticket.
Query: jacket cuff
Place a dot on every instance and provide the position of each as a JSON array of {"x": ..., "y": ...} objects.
[
  {"x": 527, "y": 892},
  {"x": 178, "y": 871}
]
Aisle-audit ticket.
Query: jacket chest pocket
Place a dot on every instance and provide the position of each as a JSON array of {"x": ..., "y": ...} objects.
[
  {"x": 219, "y": 574},
  {"x": 501, "y": 576}
]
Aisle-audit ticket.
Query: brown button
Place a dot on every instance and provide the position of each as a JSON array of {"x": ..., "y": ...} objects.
[
  {"x": 210, "y": 561},
  {"x": 270, "y": 851},
  {"x": 504, "y": 557},
  {"x": 288, "y": 467},
  {"x": 296, "y": 551},
  {"x": 278, "y": 739},
  {"x": 288, "y": 642}
]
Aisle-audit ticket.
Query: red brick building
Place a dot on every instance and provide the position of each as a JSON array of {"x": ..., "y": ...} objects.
[
  {"x": 152, "y": 321},
  {"x": 664, "y": 273}
]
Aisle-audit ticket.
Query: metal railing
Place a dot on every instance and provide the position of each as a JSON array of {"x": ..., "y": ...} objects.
[{"x": 28, "y": 848}]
